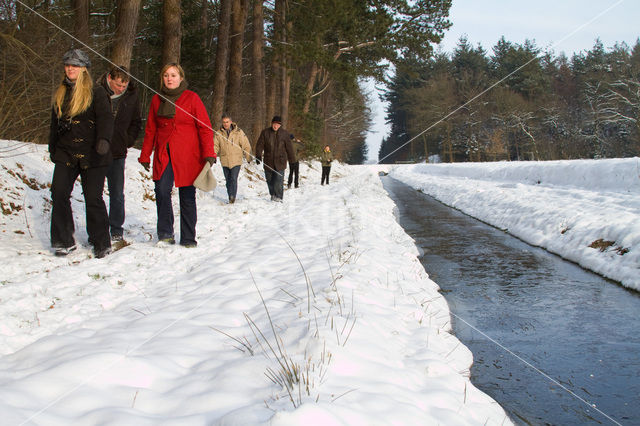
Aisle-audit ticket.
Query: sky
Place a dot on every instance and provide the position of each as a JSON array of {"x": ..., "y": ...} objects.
[
  {"x": 326, "y": 280},
  {"x": 569, "y": 26}
]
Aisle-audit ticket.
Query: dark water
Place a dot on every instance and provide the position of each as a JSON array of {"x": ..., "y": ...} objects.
[{"x": 579, "y": 329}]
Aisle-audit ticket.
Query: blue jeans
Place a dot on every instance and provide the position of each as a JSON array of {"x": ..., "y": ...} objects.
[
  {"x": 275, "y": 182},
  {"x": 115, "y": 182},
  {"x": 231, "y": 176},
  {"x": 188, "y": 211}
]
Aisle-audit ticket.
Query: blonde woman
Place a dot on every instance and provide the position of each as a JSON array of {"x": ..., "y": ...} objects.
[
  {"x": 79, "y": 145},
  {"x": 326, "y": 159}
]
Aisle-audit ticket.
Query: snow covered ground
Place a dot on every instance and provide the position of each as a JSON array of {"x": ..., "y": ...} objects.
[
  {"x": 587, "y": 211},
  {"x": 311, "y": 311}
]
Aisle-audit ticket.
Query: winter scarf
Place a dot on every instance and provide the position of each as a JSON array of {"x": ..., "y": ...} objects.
[
  {"x": 70, "y": 84},
  {"x": 168, "y": 98}
]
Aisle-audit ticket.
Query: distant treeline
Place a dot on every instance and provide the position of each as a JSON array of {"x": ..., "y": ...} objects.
[{"x": 515, "y": 104}]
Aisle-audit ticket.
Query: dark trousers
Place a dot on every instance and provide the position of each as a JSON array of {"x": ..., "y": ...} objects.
[
  {"x": 294, "y": 171},
  {"x": 325, "y": 174},
  {"x": 62, "y": 228},
  {"x": 115, "y": 182},
  {"x": 275, "y": 182},
  {"x": 164, "y": 207},
  {"x": 231, "y": 176}
]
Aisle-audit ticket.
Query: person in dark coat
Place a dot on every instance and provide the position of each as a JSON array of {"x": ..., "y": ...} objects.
[
  {"x": 294, "y": 168},
  {"x": 79, "y": 145},
  {"x": 275, "y": 143},
  {"x": 125, "y": 108}
]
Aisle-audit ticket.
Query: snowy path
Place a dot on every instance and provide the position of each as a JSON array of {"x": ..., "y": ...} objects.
[{"x": 162, "y": 334}]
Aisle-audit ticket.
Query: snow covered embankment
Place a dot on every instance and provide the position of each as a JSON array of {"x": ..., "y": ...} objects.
[
  {"x": 352, "y": 331},
  {"x": 587, "y": 211}
]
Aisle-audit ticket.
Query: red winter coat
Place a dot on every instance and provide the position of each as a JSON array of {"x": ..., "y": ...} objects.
[{"x": 188, "y": 135}]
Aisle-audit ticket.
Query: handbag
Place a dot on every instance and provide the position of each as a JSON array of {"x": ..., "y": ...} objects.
[{"x": 205, "y": 181}]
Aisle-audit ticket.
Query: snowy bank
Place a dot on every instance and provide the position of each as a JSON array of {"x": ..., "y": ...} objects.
[
  {"x": 587, "y": 211},
  {"x": 311, "y": 311}
]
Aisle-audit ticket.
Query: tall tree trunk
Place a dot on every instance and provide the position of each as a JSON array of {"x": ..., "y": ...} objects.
[
  {"x": 238, "y": 20},
  {"x": 81, "y": 20},
  {"x": 311, "y": 81},
  {"x": 449, "y": 143},
  {"x": 426, "y": 150},
  {"x": 171, "y": 31},
  {"x": 274, "y": 101},
  {"x": 286, "y": 76},
  {"x": 257, "y": 65},
  {"x": 127, "y": 19},
  {"x": 286, "y": 90},
  {"x": 272, "y": 91},
  {"x": 204, "y": 23},
  {"x": 222, "y": 59},
  {"x": 412, "y": 152},
  {"x": 325, "y": 113}
]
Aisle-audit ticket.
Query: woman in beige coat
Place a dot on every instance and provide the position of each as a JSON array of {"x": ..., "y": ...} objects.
[
  {"x": 327, "y": 158},
  {"x": 231, "y": 145}
]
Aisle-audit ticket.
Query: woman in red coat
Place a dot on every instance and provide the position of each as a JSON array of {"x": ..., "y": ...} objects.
[{"x": 180, "y": 135}]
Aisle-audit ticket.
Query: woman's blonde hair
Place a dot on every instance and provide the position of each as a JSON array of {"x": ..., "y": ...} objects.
[
  {"x": 166, "y": 67},
  {"x": 81, "y": 96}
]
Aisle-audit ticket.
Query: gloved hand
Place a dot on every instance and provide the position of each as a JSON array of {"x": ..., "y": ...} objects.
[
  {"x": 258, "y": 160},
  {"x": 211, "y": 160},
  {"x": 102, "y": 147},
  {"x": 145, "y": 165}
]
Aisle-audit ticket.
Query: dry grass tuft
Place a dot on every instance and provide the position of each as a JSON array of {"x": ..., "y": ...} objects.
[
  {"x": 148, "y": 195},
  {"x": 30, "y": 182},
  {"x": 601, "y": 244}
]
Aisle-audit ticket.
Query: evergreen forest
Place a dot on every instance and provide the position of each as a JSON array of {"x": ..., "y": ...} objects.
[
  {"x": 515, "y": 103},
  {"x": 304, "y": 60}
]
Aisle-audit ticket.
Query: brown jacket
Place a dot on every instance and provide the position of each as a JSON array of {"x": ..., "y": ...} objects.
[
  {"x": 277, "y": 148},
  {"x": 327, "y": 158},
  {"x": 230, "y": 149}
]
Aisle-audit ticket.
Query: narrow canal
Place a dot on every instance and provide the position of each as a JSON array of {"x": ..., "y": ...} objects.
[{"x": 526, "y": 313}]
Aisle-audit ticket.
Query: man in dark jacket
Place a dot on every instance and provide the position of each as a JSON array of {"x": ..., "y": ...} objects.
[
  {"x": 275, "y": 143},
  {"x": 294, "y": 168},
  {"x": 127, "y": 122}
]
